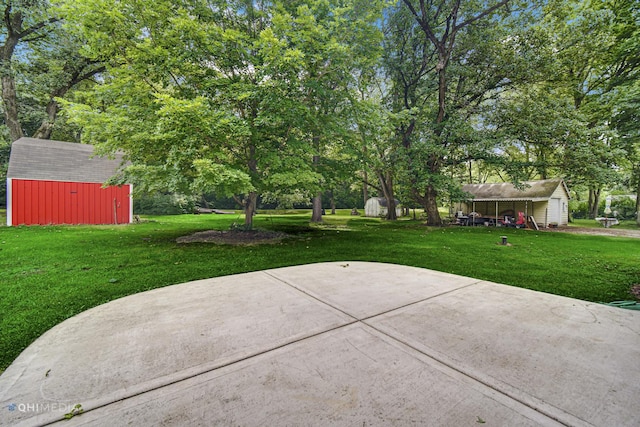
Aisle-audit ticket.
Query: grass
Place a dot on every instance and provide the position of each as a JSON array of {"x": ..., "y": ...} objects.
[{"x": 48, "y": 274}]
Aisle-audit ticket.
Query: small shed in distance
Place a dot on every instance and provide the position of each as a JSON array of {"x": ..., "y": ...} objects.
[
  {"x": 377, "y": 207},
  {"x": 547, "y": 200},
  {"x": 53, "y": 182}
]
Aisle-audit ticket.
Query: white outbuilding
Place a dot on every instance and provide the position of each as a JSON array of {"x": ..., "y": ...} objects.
[{"x": 377, "y": 207}]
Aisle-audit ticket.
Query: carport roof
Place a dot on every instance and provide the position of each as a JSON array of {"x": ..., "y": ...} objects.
[
  {"x": 48, "y": 160},
  {"x": 534, "y": 191}
]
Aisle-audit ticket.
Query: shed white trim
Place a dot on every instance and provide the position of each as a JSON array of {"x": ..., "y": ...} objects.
[
  {"x": 130, "y": 203},
  {"x": 9, "y": 204}
]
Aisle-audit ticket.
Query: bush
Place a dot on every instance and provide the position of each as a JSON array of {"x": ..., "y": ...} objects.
[
  {"x": 579, "y": 209},
  {"x": 624, "y": 206},
  {"x": 162, "y": 204}
]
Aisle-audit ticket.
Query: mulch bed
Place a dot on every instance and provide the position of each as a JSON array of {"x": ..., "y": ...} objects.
[{"x": 234, "y": 237}]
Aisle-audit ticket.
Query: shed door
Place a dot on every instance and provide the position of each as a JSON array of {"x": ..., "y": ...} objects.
[{"x": 555, "y": 214}]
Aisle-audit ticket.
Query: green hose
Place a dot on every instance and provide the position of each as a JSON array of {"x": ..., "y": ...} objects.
[{"x": 630, "y": 305}]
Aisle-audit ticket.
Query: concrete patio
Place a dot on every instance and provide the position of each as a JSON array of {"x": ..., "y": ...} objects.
[{"x": 341, "y": 343}]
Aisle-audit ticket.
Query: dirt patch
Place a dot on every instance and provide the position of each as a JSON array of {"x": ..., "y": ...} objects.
[
  {"x": 616, "y": 232},
  {"x": 234, "y": 237},
  {"x": 635, "y": 291}
]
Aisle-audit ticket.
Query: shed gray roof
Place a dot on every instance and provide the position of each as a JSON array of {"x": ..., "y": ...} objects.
[
  {"x": 535, "y": 191},
  {"x": 41, "y": 159}
]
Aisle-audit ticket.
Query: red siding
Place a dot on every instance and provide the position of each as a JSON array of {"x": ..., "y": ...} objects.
[{"x": 52, "y": 202}]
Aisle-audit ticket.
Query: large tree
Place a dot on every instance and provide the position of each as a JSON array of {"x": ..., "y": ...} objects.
[
  {"x": 333, "y": 42},
  {"x": 447, "y": 58},
  {"x": 626, "y": 119},
  {"x": 23, "y": 22},
  {"x": 233, "y": 96},
  {"x": 596, "y": 51},
  {"x": 184, "y": 97},
  {"x": 624, "y": 87},
  {"x": 39, "y": 62},
  {"x": 379, "y": 146}
]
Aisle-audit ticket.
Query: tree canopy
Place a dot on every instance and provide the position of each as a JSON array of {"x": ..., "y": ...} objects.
[{"x": 287, "y": 100}]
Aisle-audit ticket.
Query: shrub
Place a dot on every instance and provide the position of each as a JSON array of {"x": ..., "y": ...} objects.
[{"x": 162, "y": 204}]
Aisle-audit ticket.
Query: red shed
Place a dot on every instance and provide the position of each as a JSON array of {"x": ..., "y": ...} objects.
[{"x": 53, "y": 182}]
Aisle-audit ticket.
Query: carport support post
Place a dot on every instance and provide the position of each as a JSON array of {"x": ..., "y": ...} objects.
[{"x": 473, "y": 217}]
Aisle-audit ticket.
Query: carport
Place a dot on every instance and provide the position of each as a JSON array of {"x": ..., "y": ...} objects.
[{"x": 543, "y": 202}]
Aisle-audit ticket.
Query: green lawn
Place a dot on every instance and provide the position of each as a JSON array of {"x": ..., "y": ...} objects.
[{"x": 48, "y": 274}]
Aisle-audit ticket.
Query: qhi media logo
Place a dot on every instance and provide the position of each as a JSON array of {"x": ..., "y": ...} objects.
[{"x": 44, "y": 407}]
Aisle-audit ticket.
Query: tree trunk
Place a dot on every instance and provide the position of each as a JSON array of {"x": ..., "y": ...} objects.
[
  {"x": 431, "y": 207},
  {"x": 252, "y": 197},
  {"x": 638, "y": 194},
  {"x": 638, "y": 205},
  {"x": 365, "y": 188},
  {"x": 13, "y": 26},
  {"x": 9, "y": 100},
  {"x": 430, "y": 200},
  {"x": 594, "y": 201},
  {"x": 333, "y": 204},
  {"x": 442, "y": 93},
  {"x": 316, "y": 216},
  {"x": 386, "y": 183},
  {"x": 250, "y": 209},
  {"x": 46, "y": 128}
]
